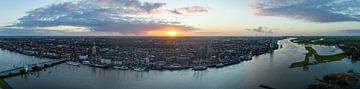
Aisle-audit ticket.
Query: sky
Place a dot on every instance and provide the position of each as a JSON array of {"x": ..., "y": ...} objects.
[{"x": 185, "y": 17}]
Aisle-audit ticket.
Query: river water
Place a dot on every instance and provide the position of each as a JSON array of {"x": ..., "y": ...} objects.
[
  {"x": 269, "y": 69},
  {"x": 10, "y": 60}
]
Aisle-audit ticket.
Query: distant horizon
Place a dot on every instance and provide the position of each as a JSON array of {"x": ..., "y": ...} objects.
[{"x": 179, "y": 36}]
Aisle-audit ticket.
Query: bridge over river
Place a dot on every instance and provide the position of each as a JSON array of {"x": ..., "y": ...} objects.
[{"x": 29, "y": 68}]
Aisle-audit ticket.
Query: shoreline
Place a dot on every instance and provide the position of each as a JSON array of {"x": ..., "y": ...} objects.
[{"x": 148, "y": 68}]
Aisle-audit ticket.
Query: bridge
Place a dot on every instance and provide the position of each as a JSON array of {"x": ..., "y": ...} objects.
[{"x": 30, "y": 68}]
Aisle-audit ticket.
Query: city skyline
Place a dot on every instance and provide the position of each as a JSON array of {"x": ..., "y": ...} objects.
[{"x": 180, "y": 17}]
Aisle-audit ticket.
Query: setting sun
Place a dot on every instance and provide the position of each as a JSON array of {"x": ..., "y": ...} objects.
[{"x": 172, "y": 33}]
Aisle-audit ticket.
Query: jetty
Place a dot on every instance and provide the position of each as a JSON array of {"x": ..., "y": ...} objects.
[{"x": 29, "y": 68}]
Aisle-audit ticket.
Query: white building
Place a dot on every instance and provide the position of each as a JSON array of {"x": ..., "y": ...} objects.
[
  {"x": 105, "y": 61},
  {"x": 117, "y": 62},
  {"x": 83, "y": 57}
]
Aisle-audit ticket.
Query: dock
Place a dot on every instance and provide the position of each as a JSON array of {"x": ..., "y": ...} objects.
[{"x": 30, "y": 68}]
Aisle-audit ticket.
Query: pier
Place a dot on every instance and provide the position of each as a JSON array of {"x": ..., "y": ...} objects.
[{"x": 29, "y": 68}]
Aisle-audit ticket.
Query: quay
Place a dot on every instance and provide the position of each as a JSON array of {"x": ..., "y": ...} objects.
[{"x": 30, "y": 68}]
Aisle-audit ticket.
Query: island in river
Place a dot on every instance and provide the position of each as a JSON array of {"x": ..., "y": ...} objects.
[
  {"x": 350, "y": 47},
  {"x": 313, "y": 55},
  {"x": 349, "y": 44}
]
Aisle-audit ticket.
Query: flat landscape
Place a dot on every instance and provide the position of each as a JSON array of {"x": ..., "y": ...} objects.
[{"x": 180, "y": 44}]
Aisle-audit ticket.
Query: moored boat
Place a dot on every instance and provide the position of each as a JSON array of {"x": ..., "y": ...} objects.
[
  {"x": 139, "y": 69},
  {"x": 73, "y": 63},
  {"x": 199, "y": 68},
  {"x": 220, "y": 65},
  {"x": 85, "y": 62},
  {"x": 174, "y": 67},
  {"x": 99, "y": 66},
  {"x": 121, "y": 67}
]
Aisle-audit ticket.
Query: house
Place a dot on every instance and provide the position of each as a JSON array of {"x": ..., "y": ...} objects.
[
  {"x": 116, "y": 62},
  {"x": 83, "y": 57},
  {"x": 105, "y": 61}
]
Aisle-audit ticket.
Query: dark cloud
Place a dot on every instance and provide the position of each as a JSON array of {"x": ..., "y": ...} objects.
[
  {"x": 27, "y": 32},
  {"x": 310, "y": 10},
  {"x": 50, "y": 32},
  {"x": 123, "y": 16},
  {"x": 261, "y": 29}
]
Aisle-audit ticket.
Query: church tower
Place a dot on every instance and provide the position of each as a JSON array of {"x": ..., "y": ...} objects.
[{"x": 93, "y": 54}]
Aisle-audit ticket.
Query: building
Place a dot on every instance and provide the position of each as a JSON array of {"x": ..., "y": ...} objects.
[{"x": 83, "y": 57}]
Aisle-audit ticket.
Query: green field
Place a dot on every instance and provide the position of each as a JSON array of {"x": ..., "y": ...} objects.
[{"x": 318, "y": 58}]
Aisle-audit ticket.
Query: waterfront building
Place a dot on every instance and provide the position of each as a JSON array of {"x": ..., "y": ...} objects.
[
  {"x": 116, "y": 62},
  {"x": 83, "y": 57},
  {"x": 105, "y": 61}
]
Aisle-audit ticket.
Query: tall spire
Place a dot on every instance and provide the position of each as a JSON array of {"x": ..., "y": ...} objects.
[{"x": 93, "y": 54}]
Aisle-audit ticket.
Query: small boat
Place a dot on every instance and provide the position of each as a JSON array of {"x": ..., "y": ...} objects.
[
  {"x": 139, "y": 69},
  {"x": 76, "y": 63},
  {"x": 116, "y": 67},
  {"x": 174, "y": 67},
  {"x": 248, "y": 57},
  {"x": 68, "y": 62},
  {"x": 85, "y": 62},
  {"x": 73, "y": 63},
  {"x": 99, "y": 66},
  {"x": 199, "y": 68},
  {"x": 219, "y": 65},
  {"x": 121, "y": 67},
  {"x": 24, "y": 70}
]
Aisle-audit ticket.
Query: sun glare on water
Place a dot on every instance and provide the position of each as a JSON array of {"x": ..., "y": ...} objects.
[{"x": 172, "y": 33}]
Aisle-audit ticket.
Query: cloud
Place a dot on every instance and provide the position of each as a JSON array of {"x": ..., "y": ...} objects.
[
  {"x": 186, "y": 10},
  {"x": 261, "y": 29},
  {"x": 28, "y": 32},
  {"x": 4, "y": 31},
  {"x": 121, "y": 16},
  {"x": 310, "y": 10}
]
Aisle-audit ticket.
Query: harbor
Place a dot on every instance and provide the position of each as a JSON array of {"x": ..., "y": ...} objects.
[{"x": 161, "y": 53}]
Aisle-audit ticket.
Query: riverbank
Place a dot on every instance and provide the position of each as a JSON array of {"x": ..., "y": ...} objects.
[
  {"x": 217, "y": 65},
  {"x": 173, "y": 67},
  {"x": 150, "y": 52},
  {"x": 319, "y": 58},
  {"x": 223, "y": 64}
]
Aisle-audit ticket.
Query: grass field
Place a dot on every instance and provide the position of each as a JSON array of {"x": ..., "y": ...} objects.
[
  {"x": 4, "y": 84},
  {"x": 318, "y": 58}
]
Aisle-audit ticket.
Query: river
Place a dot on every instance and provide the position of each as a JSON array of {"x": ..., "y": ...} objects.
[{"x": 268, "y": 69}]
